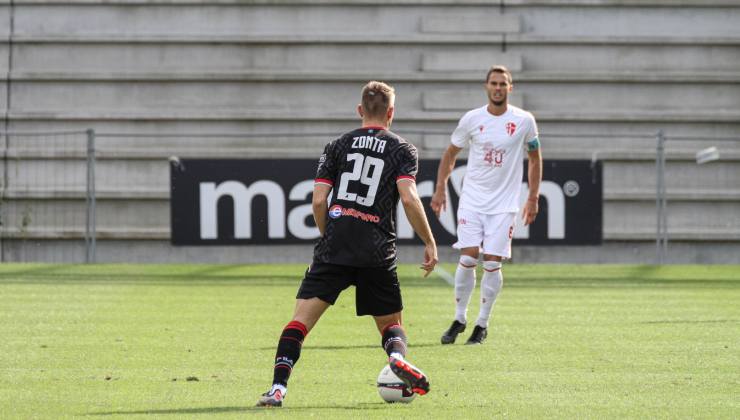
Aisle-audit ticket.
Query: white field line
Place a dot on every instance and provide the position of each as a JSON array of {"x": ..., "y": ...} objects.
[{"x": 444, "y": 275}]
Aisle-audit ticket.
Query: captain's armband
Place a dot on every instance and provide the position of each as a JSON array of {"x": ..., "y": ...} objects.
[{"x": 533, "y": 144}]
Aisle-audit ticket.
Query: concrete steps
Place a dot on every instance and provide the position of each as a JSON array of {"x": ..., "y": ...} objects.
[
  {"x": 432, "y": 100},
  {"x": 360, "y": 76},
  {"x": 300, "y": 55},
  {"x": 346, "y": 118},
  {"x": 564, "y": 19},
  {"x": 182, "y": 67}
]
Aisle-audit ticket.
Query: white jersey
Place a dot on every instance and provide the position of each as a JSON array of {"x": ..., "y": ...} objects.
[{"x": 493, "y": 179}]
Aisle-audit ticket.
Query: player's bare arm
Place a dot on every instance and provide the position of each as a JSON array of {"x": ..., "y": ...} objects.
[
  {"x": 418, "y": 219},
  {"x": 446, "y": 165},
  {"x": 320, "y": 205},
  {"x": 534, "y": 177}
]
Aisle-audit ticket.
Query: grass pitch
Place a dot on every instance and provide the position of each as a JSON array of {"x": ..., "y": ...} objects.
[{"x": 197, "y": 341}]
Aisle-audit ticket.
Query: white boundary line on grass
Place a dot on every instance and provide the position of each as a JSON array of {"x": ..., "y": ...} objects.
[{"x": 444, "y": 275}]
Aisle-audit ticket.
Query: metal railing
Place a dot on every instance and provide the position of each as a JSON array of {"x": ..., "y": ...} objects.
[
  {"x": 661, "y": 225},
  {"x": 702, "y": 155},
  {"x": 29, "y": 173},
  {"x": 90, "y": 228}
]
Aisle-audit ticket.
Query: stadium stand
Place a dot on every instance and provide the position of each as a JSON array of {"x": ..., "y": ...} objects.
[{"x": 583, "y": 67}]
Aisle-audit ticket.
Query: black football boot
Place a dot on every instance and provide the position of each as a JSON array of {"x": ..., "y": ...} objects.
[
  {"x": 478, "y": 336},
  {"x": 451, "y": 334}
]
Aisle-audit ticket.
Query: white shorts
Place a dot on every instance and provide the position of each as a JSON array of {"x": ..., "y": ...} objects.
[{"x": 493, "y": 231}]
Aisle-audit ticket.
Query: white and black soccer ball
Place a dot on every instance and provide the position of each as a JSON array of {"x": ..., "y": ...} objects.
[{"x": 392, "y": 389}]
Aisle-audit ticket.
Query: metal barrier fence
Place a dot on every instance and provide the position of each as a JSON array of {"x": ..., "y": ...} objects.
[
  {"x": 704, "y": 151},
  {"x": 48, "y": 195},
  {"x": 49, "y": 178}
]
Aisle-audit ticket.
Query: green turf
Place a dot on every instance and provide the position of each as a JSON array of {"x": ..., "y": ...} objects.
[{"x": 120, "y": 341}]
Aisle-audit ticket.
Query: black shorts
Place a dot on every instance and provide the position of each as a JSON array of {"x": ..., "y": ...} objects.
[{"x": 378, "y": 291}]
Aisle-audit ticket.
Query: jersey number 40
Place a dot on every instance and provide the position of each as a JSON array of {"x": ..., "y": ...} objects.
[{"x": 361, "y": 170}]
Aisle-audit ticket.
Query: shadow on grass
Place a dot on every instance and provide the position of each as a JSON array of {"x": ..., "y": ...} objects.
[
  {"x": 242, "y": 275},
  {"x": 691, "y": 321},
  {"x": 154, "y": 280},
  {"x": 246, "y": 410},
  {"x": 105, "y": 273},
  {"x": 357, "y": 346},
  {"x": 205, "y": 277}
]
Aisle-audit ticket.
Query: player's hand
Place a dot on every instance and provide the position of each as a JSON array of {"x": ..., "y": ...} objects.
[
  {"x": 531, "y": 208},
  {"x": 439, "y": 202},
  {"x": 430, "y": 258}
]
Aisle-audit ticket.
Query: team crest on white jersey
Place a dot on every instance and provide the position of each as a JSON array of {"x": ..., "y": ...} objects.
[{"x": 510, "y": 128}]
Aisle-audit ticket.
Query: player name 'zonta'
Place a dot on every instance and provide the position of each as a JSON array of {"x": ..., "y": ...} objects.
[{"x": 368, "y": 142}]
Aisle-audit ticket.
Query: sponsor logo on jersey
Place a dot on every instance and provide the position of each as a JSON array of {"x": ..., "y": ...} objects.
[
  {"x": 462, "y": 222},
  {"x": 365, "y": 217},
  {"x": 510, "y": 128},
  {"x": 480, "y": 128},
  {"x": 335, "y": 211}
]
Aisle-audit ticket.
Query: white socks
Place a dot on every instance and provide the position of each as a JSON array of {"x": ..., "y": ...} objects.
[
  {"x": 464, "y": 285},
  {"x": 490, "y": 285},
  {"x": 283, "y": 390}
]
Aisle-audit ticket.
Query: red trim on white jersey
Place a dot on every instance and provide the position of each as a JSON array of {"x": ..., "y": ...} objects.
[{"x": 324, "y": 181}]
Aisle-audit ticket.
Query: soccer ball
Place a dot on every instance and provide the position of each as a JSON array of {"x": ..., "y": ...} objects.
[{"x": 392, "y": 389}]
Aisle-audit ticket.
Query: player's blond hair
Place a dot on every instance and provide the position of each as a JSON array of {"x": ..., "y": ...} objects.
[
  {"x": 499, "y": 69},
  {"x": 377, "y": 97}
]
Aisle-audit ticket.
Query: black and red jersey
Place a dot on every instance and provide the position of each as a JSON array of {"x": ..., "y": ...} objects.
[{"x": 362, "y": 167}]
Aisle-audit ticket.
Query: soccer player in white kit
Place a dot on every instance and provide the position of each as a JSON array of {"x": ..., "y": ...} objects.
[{"x": 498, "y": 134}]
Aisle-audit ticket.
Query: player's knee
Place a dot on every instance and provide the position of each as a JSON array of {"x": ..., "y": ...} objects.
[
  {"x": 493, "y": 278},
  {"x": 468, "y": 262},
  {"x": 492, "y": 266}
]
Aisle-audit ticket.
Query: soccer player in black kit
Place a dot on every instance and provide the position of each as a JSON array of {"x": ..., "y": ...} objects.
[{"x": 369, "y": 168}]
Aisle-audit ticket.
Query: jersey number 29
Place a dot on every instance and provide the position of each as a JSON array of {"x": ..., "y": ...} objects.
[{"x": 360, "y": 171}]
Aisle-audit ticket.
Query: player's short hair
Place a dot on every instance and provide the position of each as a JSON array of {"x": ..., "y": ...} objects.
[
  {"x": 499, "y": 69},
  {"x": 377, "y": 97}
]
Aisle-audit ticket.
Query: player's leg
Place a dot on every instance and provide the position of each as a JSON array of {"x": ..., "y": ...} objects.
[
  {"x": 379, "y": 294},
  {"x": 496, "y": 247},
  {"x": 307, "y": 313},
  {"x": 465, "y": 282},
  {"x": 469, "y": 235},
  {"x": 464, "y": 286},
  {"x": 393, "y": 335},
  {"x": 320, "y": 288},
  {"x": 395, "y": 344}
]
